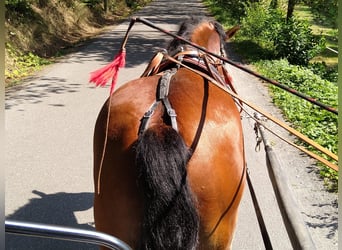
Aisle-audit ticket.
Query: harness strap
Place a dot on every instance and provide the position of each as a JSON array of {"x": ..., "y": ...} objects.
[
  {"x": 162, "y": 94},
  {"x": 153, "y": 67},
  {"x": 261, "y": 221},
  {"x": 145, "y": 119},
  {"x": 207, "y": 67},
  {"x": 238, "y": 188},
  {"x": 171, "y": 113},
  {"x": 164, "y": 84},
  {"x": 162, "y": 97}
]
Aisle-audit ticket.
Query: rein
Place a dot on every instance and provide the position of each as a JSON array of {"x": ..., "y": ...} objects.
[
  {"x": 278, "y": 122},
  {"x": 224, "y": 59},
  {"x": 275, "y": 120},
  {"x": 109, "y": 72}
]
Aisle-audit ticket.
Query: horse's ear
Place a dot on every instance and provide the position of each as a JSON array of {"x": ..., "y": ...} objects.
[{"x": 231, "y": 32}]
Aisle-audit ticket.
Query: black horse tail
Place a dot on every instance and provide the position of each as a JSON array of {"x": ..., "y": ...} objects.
[{"x": 171, "y": 220}]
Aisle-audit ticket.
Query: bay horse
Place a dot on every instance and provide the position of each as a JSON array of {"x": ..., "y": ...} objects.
[{"x": 169, "y": 166}]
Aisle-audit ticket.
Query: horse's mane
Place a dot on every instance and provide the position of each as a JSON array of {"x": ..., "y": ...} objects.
[{"x": 187, "y": 28}]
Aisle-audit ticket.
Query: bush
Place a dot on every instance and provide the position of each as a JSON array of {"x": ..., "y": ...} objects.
[
  {"x": 324, "y": 71},
  {"x": 325, "y": 9},
  {"x": 316, "y": 123},
  {"x": 236, "y": 7},
  {"x": 92, "y": 3},
  {"x": 296, "y": 42},
  {"x": 279, "y": 38},
  {"x": 260, "y": 24},
  {"x": 19, "y": 6}
]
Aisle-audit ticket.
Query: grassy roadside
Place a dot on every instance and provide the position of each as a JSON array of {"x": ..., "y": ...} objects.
[
  {"x": 321, "y": 28},
  {"x": 37, "y": 34},
  {"x": 318, "y": 79}
]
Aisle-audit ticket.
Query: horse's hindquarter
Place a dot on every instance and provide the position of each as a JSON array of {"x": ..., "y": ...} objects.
[
  {"x": 209, "y": 115},
  {"x": 208, "y": 121},
  {"x": 118, "y": 206}
]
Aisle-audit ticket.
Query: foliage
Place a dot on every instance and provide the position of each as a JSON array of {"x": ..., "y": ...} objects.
[
  {"x": 324, "y": 71},
  {"x": 136, "y": 4},
  {"x": 23, "y": 63},
  {"x": 316, "y": 123},
  {"x": 292, "y": 39},
  {"x": 37, "y": 29},
  {"x": 296, "y": 42},
  {"x": 235, "y": 8},
  {"x": 92, "y": 3},
  {"x": 254, "y": 22},
  {"x": 20, "y": 7},
  {"x": 260, "y": 24},
  {"x": 301, "y": 113},
  {"x": 325, "y": 10},
  {"x": 221, "y": 14},
  {"x": 256, "y": 42}
]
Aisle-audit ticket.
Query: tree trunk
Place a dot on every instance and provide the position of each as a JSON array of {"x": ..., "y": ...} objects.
[
  {"x": 290, "y": 9},
  {"x": 105, "y": 5}
]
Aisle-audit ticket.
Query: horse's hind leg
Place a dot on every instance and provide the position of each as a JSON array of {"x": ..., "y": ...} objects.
[
  {"x": 222, "y": 237},
  {"x": 118, "y": 206}
]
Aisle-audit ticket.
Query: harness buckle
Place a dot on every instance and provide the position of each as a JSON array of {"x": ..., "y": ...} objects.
[
  {"x": 171, "y": 112},
  {"x": 259, "y": 117}
]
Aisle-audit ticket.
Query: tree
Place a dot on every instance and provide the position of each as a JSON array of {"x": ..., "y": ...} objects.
[
  {"x": 105, "y": 5},
  {"x": 290, "y": 8}
]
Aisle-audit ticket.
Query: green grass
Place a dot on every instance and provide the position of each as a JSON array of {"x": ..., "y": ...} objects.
[
  {"x": 322, "y": 28},
  {"x": 21, "y": 65},
  {"x": 317, "y": 124}
]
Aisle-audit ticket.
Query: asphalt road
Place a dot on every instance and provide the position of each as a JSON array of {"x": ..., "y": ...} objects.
[{"x": 49, "y": 128}]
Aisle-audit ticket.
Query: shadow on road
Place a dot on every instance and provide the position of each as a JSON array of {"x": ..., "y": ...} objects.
[
  {"x": 54, "y": 209},
  {"x": 36, "y": 89},
  {"x": 326, "y": 220},
  {"x": 72, "y": 73}
]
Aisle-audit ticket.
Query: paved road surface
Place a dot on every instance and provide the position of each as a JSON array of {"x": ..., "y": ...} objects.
[{"x": 49, "y": 128}]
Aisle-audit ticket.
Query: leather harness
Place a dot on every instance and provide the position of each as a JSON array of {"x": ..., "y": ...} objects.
[
  {"x": 161, "y": 64},
  {"x": 162, "y": 97}
]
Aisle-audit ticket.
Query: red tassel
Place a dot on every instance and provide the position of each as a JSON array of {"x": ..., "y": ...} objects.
[{"x": 101, "y": 76}]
